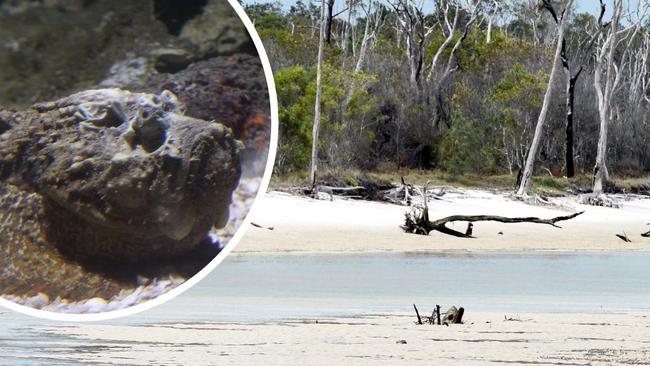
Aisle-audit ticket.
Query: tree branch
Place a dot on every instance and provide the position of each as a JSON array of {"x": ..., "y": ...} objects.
[{"x": 417, "y": 222}]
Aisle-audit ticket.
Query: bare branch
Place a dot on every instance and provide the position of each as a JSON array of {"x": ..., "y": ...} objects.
[{"x": 417, "y": 222}]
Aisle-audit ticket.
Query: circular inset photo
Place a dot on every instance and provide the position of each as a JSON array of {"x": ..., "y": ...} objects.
[{"x": 135, "y": 137}]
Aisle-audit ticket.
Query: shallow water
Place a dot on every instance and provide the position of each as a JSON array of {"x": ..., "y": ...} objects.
[
  {"x": 261, "y": 288},
  {"x": 258, "y": 288}
]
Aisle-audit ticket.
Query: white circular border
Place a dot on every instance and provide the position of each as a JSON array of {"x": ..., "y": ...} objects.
[{"x": 266, "y": 178}]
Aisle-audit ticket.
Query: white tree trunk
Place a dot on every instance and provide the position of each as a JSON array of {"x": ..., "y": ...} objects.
[
  {"x": 364, "y": 42},
  {"x": 348, "y": 26},
  {"x": 354, "y": 41},
  {"x": 488, "y": 37},
  {"x": 601, "y": 175},
  {"x": 524, "y": 184},
  {"x": 411, "y": 21},
  {"x": 316, "y": 127},
  {"x": 493, "y": 13},
  {"x": 451, "y": 27}
]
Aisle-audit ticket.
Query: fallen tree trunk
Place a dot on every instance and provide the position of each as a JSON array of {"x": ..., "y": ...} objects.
[{"x": 417, "y": 222}]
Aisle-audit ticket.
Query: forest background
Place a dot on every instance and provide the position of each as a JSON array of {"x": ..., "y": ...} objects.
[{"x": 462, "y": 88}]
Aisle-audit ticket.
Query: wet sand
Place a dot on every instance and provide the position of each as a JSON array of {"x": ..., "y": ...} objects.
[{"x": 485, "y": 338}]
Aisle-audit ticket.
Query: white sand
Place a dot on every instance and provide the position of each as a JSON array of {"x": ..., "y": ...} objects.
[
  {"x": 306, "y": 225},
  {"x": 485, "y": 338}
]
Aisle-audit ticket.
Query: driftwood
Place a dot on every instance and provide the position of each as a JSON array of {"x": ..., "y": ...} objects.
[
  {"x": 646, "y": 234},
  {"x": 624, "y": 237},
  {"x": 262, "y": 227},
  {"x": 512, "y": 319},
  {"x": 331, "y": 190},
  {"x": 400, "y": 195},
  {"x": 452, "y": 316},
  {"x": 417, "y": 313},
  {"x": 417, "y": 221},
  {"x": 370, "y": 189},
  {"x": 404, "y": 194}
]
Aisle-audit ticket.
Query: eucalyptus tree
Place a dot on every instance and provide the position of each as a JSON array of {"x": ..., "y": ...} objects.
[
  {"x": 527, "y": 173},
  {"x": 612, "y": 57},
  {"x": 471, "y": 7},
  {"x": 573, "y": 64},
  {"x": 317, "y": 106},
  {"x": 374, "y": 19},
  {"x": 410, "y": 22}
]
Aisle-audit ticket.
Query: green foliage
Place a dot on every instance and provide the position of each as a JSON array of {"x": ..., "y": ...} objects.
[
  {"x": 484, "y": 119},
  {"x": 517, "y": 98},
  {"x": 293, "y": 46},
  {"x": 486, "y": 108},
  {"x": 519, "y": 88},
  {"x": 470, "y": 147},
  {"x": 266, "y": 15},
  {"x": 296, "y": 88},
  {"x": 476, "y": 54},
  {"x": 296, "y": 105},
  {"x": 549, "y": 184}
]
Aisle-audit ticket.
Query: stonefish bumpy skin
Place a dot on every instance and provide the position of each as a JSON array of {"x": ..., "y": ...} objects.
[{"x": 122, "y": 176}]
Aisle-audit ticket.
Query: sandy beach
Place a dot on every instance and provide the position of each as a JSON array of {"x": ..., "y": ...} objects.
[
  {"x": 485, "y": 338},
  {"x": 304, "y": 225}
]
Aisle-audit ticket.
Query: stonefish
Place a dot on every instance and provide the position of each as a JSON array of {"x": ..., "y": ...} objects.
[{"x": 105, "y": 187}]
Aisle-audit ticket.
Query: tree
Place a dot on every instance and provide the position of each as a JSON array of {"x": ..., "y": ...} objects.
[
  {"x": 373, "y": 22},
  {"x": 527, "y": 174},
  {"x": 329, "y": 17},
  {"x": 606, "y": 68},
  {"x": 411, "y": 22},
  {"x": 316, "y": 127},
  {"x": 494, "y": 8},
  {"x": 489, "y": 103},
  {"x": 451, "y": 65},
  {"x": 571, "y": 74}
]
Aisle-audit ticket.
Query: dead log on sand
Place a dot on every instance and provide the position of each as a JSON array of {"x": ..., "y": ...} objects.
[
  {"x": 403, "y": 194},
  {"x": 417, "y": 221},
  {"x": 452, "y": 316},
  {"x": 624, "y": 237},
  {"x": 332, "y": 190}
]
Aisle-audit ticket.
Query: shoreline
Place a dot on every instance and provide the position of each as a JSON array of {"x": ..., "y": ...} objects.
[
  {"x": 304, "y": 225},
  {"x": 484, "y": 338}
]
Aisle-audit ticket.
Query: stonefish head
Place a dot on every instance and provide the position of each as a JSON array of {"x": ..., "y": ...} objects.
[{"x": 125, "y": 176}]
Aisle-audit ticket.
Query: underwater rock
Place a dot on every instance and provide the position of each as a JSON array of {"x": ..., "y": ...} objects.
[
  {"x": 13, "y": 7},
  {"x": 217, "y": 31},
  {"x": 107, "y": 177},
  {"x": 171, "y": 59},
  {"x": 72, "y": 45},
  {"x": 231, "y": 90},
  {"x": 128, "y": 72},
  {"x": 48, "y": 52}
]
